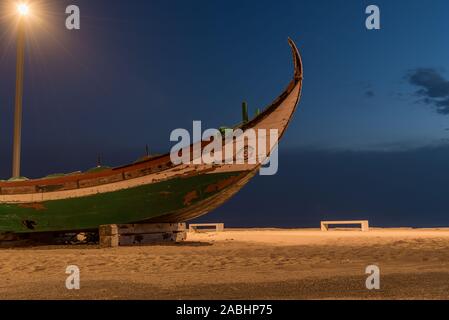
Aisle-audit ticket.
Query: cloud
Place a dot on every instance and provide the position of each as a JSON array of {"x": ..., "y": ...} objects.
[{"x": 433, "y": 88}]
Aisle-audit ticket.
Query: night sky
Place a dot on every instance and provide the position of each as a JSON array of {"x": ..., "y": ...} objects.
[{"x": 370, "y": 140}]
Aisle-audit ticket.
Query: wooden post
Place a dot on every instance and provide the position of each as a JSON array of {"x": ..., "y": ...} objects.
[{"x": 245, "y": 112}]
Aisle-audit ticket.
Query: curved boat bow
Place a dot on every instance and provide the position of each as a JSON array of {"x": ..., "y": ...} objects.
[{"x": 153, "y": 190}]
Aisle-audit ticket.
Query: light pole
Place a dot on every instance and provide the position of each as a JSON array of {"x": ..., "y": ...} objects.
[{"x": 23, "y": 11}]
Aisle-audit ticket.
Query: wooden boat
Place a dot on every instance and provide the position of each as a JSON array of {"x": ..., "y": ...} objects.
[{"x": 151, "y": 190}]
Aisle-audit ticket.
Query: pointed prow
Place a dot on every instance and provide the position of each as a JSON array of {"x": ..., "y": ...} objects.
[{"x": 296, "y": 60}]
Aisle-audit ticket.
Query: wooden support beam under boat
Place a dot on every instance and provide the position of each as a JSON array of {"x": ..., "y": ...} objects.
[{"x": 141, "y": 234}]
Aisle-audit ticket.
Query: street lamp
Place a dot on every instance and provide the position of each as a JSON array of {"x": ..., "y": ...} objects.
[{"x": 23, "y": 10}]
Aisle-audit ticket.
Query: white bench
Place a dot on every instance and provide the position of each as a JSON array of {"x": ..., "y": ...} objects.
[
  {"x": 217, "y": 227},
  {"x": 363, "y": 223}
]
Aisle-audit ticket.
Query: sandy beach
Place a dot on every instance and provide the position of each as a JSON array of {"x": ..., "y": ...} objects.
[{"x": 240, "y": 264}]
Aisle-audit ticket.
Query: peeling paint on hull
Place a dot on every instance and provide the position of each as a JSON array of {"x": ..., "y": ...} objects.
[{"x": 125, "y": 206}]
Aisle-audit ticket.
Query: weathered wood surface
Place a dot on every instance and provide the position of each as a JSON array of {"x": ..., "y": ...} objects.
[
  {"x": 152, "y": 238},
  {"x": 141, "y": 234},
  {"x": 124, "y": 229}
]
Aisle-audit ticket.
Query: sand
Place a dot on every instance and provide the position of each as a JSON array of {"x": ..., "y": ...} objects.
[{"x": 240, "y": 264}]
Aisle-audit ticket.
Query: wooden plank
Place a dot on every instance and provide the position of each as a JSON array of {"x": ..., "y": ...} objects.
[
  {"x": 19, "y": 190},
  {"x": 130, "y": 229},
  {"x": 84, "y": 183},
  {"x": 152, "y": 238},
  {"x": 141, "y": 234}
]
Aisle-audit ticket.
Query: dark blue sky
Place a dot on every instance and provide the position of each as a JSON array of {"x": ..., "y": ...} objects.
[{"x": 138, "y": 69}]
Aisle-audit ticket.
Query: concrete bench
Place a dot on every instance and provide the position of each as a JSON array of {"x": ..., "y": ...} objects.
[
  {"x": 217, "y": 227},
  {"x": 363, "y": 223}
]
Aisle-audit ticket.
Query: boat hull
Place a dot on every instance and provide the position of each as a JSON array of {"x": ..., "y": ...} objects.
[
  {"x": 163, "y": 201},
  {"x": 152, "y": 190}
]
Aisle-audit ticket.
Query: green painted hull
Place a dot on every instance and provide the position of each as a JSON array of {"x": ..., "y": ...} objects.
[{"x": 124, "y": 206}]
